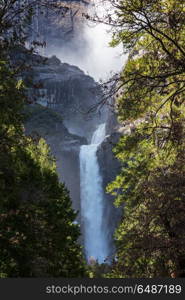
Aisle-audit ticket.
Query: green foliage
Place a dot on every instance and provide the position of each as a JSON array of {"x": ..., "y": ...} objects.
[
  {"x": 96, "y": 270},
  {"x": 150, "y": 239},
  {"x": 42, "y": 118},
  {"x": 38, "y": 235}
]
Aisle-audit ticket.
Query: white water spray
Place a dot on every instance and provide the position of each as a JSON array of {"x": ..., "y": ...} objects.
[
  {"x": 97, "y": 59},
  {"x": 92, "y": 199}
]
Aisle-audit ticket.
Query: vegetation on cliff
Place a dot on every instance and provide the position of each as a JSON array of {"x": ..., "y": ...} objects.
[{"x": 151, "y": 186}]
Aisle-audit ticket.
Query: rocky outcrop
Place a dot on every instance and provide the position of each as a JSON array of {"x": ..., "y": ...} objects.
[
  {"x": 109, "y": 168},
  {"x": 41, "y": 121},
  {"x": 109, "y": 165},
  {"x": 112, "y": 124},
  {"x": 67, "y": 90}
]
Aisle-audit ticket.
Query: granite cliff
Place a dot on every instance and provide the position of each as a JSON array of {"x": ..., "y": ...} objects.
[{"x": 60, "y": 112}]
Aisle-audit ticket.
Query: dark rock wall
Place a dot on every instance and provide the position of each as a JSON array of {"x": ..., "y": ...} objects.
[
  {"x": 67, "y": 90},
  {"x": 109, "y": 168},
  {"x": 41, "y": 121}
]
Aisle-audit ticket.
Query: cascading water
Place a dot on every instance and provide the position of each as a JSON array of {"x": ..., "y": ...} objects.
[{"x": 92, "y": 199}]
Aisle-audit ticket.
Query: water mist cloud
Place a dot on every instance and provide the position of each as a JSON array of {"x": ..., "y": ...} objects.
[{"x": 94, "y": 56}]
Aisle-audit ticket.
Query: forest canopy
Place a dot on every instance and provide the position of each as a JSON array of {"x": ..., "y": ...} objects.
[{"x": 151, "y": 91}]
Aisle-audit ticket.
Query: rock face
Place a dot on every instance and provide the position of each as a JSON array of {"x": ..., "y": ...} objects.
[
  {"x": 64, "y": 146},
  {"x": 109, "y": 168},
  {"x": 67, "y": 90}
]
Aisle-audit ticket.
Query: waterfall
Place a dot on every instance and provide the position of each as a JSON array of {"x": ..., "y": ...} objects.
[{"x": 92, "y": 199}]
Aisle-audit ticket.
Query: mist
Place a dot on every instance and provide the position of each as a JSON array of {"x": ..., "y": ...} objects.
[{"x": 90, "y": 50}]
